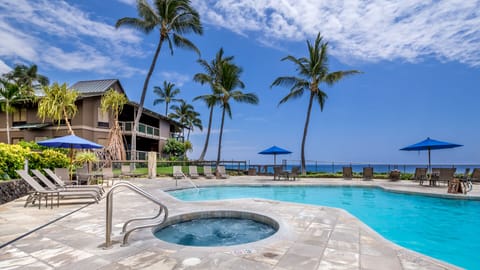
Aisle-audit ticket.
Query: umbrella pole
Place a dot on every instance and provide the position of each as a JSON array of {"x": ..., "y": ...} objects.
[{"x": 429, "y": 164}]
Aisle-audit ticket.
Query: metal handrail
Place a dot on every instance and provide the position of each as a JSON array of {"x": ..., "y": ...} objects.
[{"x": 109, "y": 213}]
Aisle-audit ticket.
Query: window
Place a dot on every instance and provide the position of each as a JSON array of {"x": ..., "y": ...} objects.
[
  {"x": 103, "y": 118},
  {"x": 20, "y": 116}
]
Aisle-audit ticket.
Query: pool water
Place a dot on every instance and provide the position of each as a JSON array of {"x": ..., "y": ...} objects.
[
  {"x": 445, "y": 229},
  {"x": 208, "y": 232}
]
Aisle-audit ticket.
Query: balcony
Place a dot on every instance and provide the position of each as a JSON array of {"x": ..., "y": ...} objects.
[{"x": 142, "y": 130}]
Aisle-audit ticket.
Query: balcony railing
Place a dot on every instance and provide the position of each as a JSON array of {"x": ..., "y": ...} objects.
[{"x": 142, "y": 130}]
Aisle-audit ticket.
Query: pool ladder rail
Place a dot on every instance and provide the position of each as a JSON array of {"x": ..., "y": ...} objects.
[{"x": 126, "y": 233}]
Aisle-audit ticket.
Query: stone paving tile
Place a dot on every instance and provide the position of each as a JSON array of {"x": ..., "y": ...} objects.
[
  {"x": 310, "y": 237},
  {"x": 293, "y": 261}
]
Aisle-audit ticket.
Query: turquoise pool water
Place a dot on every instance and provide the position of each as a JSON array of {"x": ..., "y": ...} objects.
[
  {"x": 210, "y": 232},
  {"x": 445, "y": 229}
]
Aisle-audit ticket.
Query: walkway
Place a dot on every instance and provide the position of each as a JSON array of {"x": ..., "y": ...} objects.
[{"x": 310, "y": 237}]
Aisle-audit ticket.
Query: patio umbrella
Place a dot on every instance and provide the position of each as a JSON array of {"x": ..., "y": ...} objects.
[
  {"x": 428, "y": 145},
  {"x": 70, "y": 141},
  {"x": 274, "y": 150}
]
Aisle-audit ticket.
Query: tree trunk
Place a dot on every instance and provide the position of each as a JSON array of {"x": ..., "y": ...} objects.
[
  {"x": 133, "y": 149},
  {"x": 7, "y": 107},
  {"x": 305, "y": 131},
  {"x": 220, "y": 140},
  {"x": 166, "y": 109},
  {"x": 204, "y": 151},
  {"x": 68, "y": 122}
]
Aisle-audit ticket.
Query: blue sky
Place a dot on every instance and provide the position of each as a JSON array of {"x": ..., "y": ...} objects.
[{"x": 421, "y": 64}]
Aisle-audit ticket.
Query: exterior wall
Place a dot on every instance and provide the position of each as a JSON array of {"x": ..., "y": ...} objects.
[{"x": 86, "y": 124}]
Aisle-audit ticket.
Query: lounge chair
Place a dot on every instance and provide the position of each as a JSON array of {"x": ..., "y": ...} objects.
[
  {"x": 347, "y": 172},
  {"x": 420, "y": 175},
  {"x": 40, "y": 191},
  {"x": 126, "y": 171},
  {"x": 192, "y": 172},
  {"x": 475, "y": 177},
  {"x": 442, "y": 175},
  {"x": 367, "y": 173},
  {"x": 52, "y": 186},
  {"x": 295, "y": 173},
  {"x": 221, "y": 173},
  {"x": 64, "y": 175},
  {"x": 62, "y": 184},
  {"x": 177, "y": 172},
  {"x": 278, "y": 173},
  {"x": 207, "y": 172},
  {"x": 394, "y": 175},
  {"x": 82, "y": 175}
]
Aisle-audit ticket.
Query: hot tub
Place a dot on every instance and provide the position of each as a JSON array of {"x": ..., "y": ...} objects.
[{"x": 216, "y": 228}]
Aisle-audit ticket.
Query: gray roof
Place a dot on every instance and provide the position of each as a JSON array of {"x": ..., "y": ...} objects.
[{"x": 89, "y": 88}]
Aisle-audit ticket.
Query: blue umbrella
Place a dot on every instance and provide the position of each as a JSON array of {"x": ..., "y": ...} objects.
[
  {"x": 70, "y": 141},
  {"x": 274, "y": 150},
  {"x": 428, "y": 145}
]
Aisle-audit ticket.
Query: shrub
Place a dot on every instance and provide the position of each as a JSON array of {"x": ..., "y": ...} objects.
[
  {"x": 12, "y": 157},
  {"x": 174, "y": 148}
]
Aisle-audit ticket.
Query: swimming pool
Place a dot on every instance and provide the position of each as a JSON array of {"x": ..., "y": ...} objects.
[{"x": 445, "y": 229}]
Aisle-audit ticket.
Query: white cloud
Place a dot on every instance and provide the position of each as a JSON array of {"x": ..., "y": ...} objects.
[
  {"x": 363, "y": 30},
  {"x": 4, "y": 68},
  {"x": 174, "y": 77},
  {"x": 128, "y": 2},
  {"x": 35, "y": 32}
]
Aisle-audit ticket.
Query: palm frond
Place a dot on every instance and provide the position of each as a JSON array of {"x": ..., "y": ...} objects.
[
  {"x": 336, "y": 76},
  {"x": 135, "y": 23},
  {"x": 321, "y": 97},
  {"x": 182, "y": 42},
  {"x": 286, "y": 81},
  {"x": 294, "y": 94}
]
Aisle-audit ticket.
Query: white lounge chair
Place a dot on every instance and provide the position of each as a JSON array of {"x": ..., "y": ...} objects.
[
  {"x": 192, "y": 172},
  {"x": 177, "y": 172},
  {"x": 221, "y": 172},
  {"x": 207, "y": 172}
]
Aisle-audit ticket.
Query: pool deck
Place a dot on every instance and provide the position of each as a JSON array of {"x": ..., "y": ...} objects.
[{"x": 310, "y": 237}]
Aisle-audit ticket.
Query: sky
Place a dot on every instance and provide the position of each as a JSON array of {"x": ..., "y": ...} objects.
[{"x": 420, "y": 63}]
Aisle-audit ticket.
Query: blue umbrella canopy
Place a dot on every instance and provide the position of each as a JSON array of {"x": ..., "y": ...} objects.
[
  {"x": 274, "y": 150},
  {"x": 430, "y": 144},
  {"x": 70, "y": 141}
]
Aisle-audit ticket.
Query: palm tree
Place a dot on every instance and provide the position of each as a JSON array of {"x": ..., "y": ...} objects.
[
  {"x": 26, "y": 77},
  {"x": 226, "y": 89},
  {"x": 186, "y": 115},
  {"x": 312, "y": 71},
  {"x": 167, "y": 94},
  {"x": 58, "y": 103},
  {"x": 11, "y": 93},
  {"x": 173, "y": 18},
  {"x": 211, "y": 76},
  {"x": 114, "y": 101}
]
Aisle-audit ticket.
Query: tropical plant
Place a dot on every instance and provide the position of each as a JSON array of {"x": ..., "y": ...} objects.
[
  {"x": 58, "y": 103},
  {"x": 172, "y": 18},
  {"x": 186, "y": 115},
  {"x": 312, "y": 71},
  {"x": 211, "y": 76},
  {"x": 167, "y": 94},
  {"x": 11, "y": 93},
  {"x": 226, "y": 89},
  {"x": 114, "y": 101},
  {"x": 86, "y": 157},
  {"x": 174, "y": 148},
  {"x": 27, "y": 77}
]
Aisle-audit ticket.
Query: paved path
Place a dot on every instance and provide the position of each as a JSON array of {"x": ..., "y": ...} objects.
[{"x": 310, "y": 237}]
